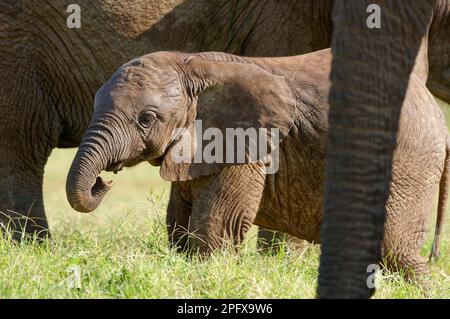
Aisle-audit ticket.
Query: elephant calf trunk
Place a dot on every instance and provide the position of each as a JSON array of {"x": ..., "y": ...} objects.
[{"x": 85, "y": 189}]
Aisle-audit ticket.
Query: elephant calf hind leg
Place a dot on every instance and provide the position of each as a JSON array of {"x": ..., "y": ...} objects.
[
  {"x": 402, "y": 253},
  {"x": 413, "y": 267},
  {"x": 406, "y": 225}
]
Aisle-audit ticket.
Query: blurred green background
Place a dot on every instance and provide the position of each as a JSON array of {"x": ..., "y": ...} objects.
[{"x": 129, "y": 193}]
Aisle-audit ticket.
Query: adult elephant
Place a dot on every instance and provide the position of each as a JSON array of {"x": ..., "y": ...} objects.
[
  {"x": 49, "y": 72},
  {"x": 370, "y": 75}
]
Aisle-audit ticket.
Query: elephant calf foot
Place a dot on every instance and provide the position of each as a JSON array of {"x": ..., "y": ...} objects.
[
  {"x": 204, "y": 241},
  {"x": 270, "y": 241},
  {"x": 274, "y": 241},
  {"x": 413, "y": 268},
  {"x": 178, "y": 239},
  {"x": 201, "y": 241}
]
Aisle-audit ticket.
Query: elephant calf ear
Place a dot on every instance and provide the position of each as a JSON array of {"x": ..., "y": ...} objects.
[{"x": 239, "y": 97}]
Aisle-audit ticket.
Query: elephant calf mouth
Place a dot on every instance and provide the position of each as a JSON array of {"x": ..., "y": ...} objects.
[
  {"x": 115, "y": 167},
  {"x": 145, "y": 156},
  {"x": 156, "y": 161},
  {"x": 118, "y": 166}
]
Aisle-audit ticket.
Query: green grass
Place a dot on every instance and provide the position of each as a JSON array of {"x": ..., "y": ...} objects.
[{"x": 121, "y": 252}]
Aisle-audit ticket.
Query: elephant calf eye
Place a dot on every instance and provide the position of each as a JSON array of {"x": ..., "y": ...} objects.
[{"x": 145, "y": 119}]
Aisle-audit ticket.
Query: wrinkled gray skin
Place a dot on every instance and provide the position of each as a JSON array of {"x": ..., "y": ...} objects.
[
  {"x": 370, "y": 77},
  {"x": 137, "y": 110},
  {"x": 49, "y": 74}
]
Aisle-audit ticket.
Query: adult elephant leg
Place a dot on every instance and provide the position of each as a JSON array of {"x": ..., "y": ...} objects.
[
  {"x": 29, "y": 129},
  {"x": 370, "y": 74},
  {"x": 21, "y": 205},
  {"x": 24, "y": 149},
  {"x": 224, "y": 207},
  {"x": 439, "y": 52},
  {"x": 178, "y": 215}
]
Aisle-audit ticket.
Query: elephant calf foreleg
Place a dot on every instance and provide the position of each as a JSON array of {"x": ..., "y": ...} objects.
[
  {"x": 224, "y": 207},
  {"x": 178, "y": 215}
]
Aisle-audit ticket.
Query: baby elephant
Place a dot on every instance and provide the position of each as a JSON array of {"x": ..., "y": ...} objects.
[{"x": 145, "y": 110}]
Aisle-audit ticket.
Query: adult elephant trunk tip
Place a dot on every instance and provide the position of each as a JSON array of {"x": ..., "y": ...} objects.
[{"x": 84, "y": 188}]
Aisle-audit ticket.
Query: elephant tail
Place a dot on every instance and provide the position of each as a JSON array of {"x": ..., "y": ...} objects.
[{"x": 442, "y": 204}]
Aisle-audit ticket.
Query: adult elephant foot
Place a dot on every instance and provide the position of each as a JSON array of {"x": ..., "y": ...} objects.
[{"x": 22, "y": 214}]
